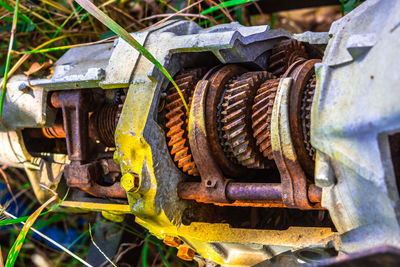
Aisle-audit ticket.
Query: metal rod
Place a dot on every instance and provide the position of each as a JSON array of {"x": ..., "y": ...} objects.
[
  {"x": 254, "y": 191},
  {"x": 266, "y": 192}
]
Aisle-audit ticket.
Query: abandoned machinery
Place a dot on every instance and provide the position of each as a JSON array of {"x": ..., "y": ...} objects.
[{"x": 275, "y": 144}]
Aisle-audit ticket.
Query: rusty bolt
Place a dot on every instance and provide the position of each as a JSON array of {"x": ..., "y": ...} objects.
[
  {"x": 172, "y": 241},
  {"x": 185, "y": 253},
  {"x": 130, "y": 182}
]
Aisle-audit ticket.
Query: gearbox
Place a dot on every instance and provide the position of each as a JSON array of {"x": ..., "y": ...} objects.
[{"x": 276, "y": 143}]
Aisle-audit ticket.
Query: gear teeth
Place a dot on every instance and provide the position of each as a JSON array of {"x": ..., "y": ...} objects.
[
  {"x": 284, "y": 54},
  {"x": 305, "y": 116},
  {"x": 236, "y": 119},
  {"x": 262, "y": 114},
  {"x": 177, "y": 119}
]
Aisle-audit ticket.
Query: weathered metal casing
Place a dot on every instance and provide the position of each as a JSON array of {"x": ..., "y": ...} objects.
[{"x": 355, "y": 109}]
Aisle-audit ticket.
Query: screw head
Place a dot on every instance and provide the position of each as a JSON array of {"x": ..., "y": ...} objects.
[
  {"x": 130, "y": 182},
  {"x": 172, "y": 241},
  {"x": 185, "y": 253}
]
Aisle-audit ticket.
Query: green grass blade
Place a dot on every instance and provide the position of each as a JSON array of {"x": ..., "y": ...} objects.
[
  {"x": 66, "y": 21},
  {"x": 226, "y": 5},
  {"x": 121, "y": 32},
  {"x": 145, "y": 250},
  {"x": 273, "y": 20},
  {"x": 164, "y": 259},
  {"x": 54, "y": 243},
  {"x": 10, "y": 46},
  {"x": 11, "y": 9},
  {"x": 13, "y": 254},
  {"x": 105, "y": 256},
  {"x": 45, "y": 50},
  {"x": 23, "y": 219}
]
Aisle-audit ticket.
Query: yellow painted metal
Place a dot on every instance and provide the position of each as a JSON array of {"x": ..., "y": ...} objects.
[
  {"x": 93, "y": 206},
  {"x": 134, "y": 155},
  {"x": 112, "y": 216},
  {"x": 201, "y": 236},
  {"x": 295, "y": 237},
  {"x": 130, "y": 182}
]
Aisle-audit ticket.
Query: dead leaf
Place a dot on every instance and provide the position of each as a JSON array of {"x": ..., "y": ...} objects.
[{"x": 36, "y": 67}]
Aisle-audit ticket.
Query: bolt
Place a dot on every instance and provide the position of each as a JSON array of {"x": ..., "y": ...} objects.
[
  {"x": 130, "y": 182},
  {"x": 172, "y": 241},
  {"x": 185, "y": 253}
]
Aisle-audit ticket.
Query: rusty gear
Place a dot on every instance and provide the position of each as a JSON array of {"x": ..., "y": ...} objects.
[
  {"x": 285, "y": 54},
  {"x": 219, "y": 82},
  {"x": 237, "y": 118},
  {"x": 305, "y": 115},
  {"x": 221, "y": 134},
  {"x": 302, "y": 76},
  {"x": 177, "y": 117},
  {"x": 262, "y": 114}
]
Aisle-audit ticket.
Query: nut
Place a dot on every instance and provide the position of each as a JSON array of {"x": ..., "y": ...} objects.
[
  {"x": 185, "y": 253},
  {"x": 172, "y": 241},
  {"x": 130, "y": 182}
]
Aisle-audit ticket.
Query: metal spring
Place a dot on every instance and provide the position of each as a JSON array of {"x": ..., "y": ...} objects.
[{"x": 104, "y": 123}]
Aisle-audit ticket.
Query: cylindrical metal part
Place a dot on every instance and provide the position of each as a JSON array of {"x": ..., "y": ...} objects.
[
  {"x": 57, "y": 131},
  {"x": 103, "y": 124},
  {"x": 55, "y": 100},
  {"x": 254, "y": 191},
  {"x": 265, "y": 192},
  {"x": 314, "y": 193}
]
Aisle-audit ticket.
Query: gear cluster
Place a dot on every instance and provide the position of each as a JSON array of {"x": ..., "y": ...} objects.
[{"x": 243, "y": 110}]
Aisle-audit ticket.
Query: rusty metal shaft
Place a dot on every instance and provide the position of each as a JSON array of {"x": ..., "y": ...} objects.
[
  {"x": 268, "y": 192},
  {"x": 254, "y": 191}
]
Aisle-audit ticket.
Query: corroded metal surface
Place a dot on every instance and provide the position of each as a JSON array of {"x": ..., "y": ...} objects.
[
  {"x": 177, "y": 120},
  {"x": 214, "y": 96},
  {"x": 113, "y": 191},
  {"x": 103, "y": 123},
  {"x": 293, "y": 178},
  {"x": 285, "y": 54},
  {"x": 305, "y": 115},
  {"x": 298, "y": 93},
  {"x": 212, "y": 186},
  {"x": 254, "y": 191},
  {"x": 236, "y": 119},
  {"x": 261, "y": 116}
]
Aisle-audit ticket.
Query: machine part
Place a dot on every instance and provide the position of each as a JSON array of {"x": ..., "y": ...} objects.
[
  {"x": 57, "y": 131},
  {"x": 236, "y": 113},
  {"x": 293, "y": 178},
  {"x": 249, "y": 194},
  {"x": 261, "y": 116},
  {"x": 231, "y": 221},
  {"x": 217, "y": 87},
  {"x": 305, "y": 115},
  {"x": 214, "y": 187},
  {"x": 177, "y": 118},
  {"x": 172, "y": 241},
  {"x": 285, "y": 54},
  {"x": 185, "y": 253},
  {"x": 299, "y": 95},
  {"x": 82, "y": 172},
  {"x": 354, "y": 116},
  {"x": 103, "y": 123}
]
